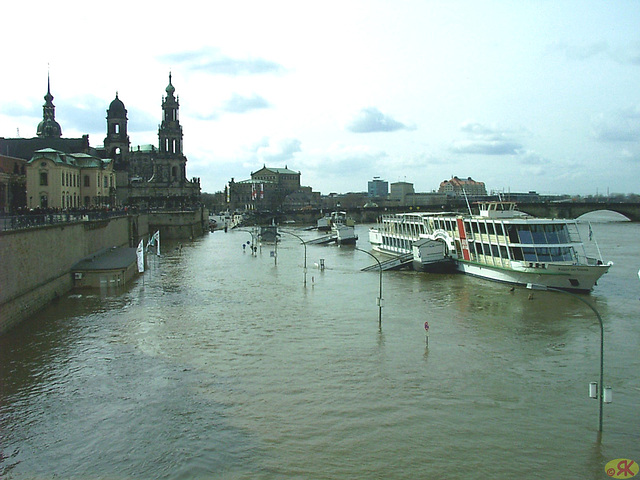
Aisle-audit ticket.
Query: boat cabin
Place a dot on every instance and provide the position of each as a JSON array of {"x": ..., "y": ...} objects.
[{"x": 496, "y": 209}]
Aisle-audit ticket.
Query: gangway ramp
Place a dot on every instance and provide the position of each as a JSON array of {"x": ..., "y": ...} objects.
[
  {"x": 394, "y": 263},
  {"x": 322, "y": 240}
]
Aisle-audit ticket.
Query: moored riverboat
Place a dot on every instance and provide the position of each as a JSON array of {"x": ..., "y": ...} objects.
[{"x": 499, "y": 243}]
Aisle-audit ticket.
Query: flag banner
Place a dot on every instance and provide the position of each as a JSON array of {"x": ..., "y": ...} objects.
[
  {"x": 140, "y": 255},
  {"x": 156, "y": 242}
]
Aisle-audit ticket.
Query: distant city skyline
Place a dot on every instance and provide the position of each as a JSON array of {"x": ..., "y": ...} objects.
[{"x": 519, "y": 95}]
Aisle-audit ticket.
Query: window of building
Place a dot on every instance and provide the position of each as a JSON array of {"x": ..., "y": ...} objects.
[
  {"x": 86, "y": 181},
  {"x": 44, "y": 178}
]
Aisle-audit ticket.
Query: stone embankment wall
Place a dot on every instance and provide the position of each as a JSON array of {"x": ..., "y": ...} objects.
[
  {"x": 35, "y": 263},
  {"x": 179, "y": 224}
]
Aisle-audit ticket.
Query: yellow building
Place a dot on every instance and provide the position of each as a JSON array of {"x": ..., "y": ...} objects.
[{"x": 69, "y": 180}]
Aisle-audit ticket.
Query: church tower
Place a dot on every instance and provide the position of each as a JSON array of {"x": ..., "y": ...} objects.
[
  {"x": 170, "y": 131},
  {"x": 116, "y": 143},
  {"x": 171, "y": 161},
  {"x": 48, "y": 127}
]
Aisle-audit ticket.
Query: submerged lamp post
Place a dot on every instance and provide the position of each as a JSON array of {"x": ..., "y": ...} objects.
[
  {"x": 380, "y": 293},
  {"x": 305, "y": 254},
  {"x": 605, "y": 393},
  {"x": 253, "y": 240}
]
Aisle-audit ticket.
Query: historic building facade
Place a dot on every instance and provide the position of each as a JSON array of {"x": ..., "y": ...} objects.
[
  {"x": 267, "y": 189},
  {"x": 57, "y": 180},
  {"x": 147, "y": 176},
  {"x": 150, "y": 176}
]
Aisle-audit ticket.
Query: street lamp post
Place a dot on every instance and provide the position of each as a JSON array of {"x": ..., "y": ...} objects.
[
  {"x": 253, "y": 240},
  {"x": 533, "y": 286},
  {"x": 305, "y": 254},
  {"x": 380, "y": 292}
]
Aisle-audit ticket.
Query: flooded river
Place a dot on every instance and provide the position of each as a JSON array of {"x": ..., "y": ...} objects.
[{"x": 222, "y": 364}]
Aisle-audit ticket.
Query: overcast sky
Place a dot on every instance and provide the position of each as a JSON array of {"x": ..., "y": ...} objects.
[{"x": 522, "y": 95}]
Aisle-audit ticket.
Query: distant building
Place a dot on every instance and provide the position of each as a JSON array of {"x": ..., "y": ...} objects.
[
  {"x": 400, "y": 191},
  {"x": 13, "y": 184},
  {"x": 267, "y": 189},
  {"x": 457, "y": 186},
  {"x": 378, "y": 188},
  {"x": 69, "y": 180}
]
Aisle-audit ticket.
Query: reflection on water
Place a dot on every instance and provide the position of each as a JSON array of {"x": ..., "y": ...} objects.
[{"x": 219, "y": 364}]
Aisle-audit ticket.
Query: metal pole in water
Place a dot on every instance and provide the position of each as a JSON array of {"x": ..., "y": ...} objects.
[{"x": 379, "y": 300}]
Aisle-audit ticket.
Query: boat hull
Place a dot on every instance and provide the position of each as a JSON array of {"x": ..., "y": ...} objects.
[{"x": 565, "y": 277}]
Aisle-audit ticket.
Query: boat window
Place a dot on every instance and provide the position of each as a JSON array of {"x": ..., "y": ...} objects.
[
  {"x": 525, "y": 235},
  {"x": 544, "y": 255},
  {"x": 537, "y": 233},
  {"x": 563, "y": 234},
  {"x": 552, "y": 233},
  {"x": 529, "y": 254},
  {"x": 513, "y": 234}
]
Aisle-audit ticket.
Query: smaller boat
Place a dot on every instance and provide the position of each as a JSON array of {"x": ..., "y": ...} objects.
[
  {"x": 430, "y": 255},
  {"x": 345, "y": 235},
  {"x": 269, "y": 234},
  {"x": 327, "y": 222}
]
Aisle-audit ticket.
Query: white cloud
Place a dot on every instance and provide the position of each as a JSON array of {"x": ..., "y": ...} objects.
[
  {"x": 241, "y": 104},
  {"x": 371, "y": 119},
  {"x": 485, "y": 140},
  {"x": 617, "y": 126},
  {"x": 212, "y": 61}
]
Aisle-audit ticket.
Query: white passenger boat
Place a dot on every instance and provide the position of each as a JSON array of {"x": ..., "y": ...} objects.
[
  {"x": 345, "y": 234},
  {"x": 340, "y": 225},
  {"x": 500, "y": 243},
  {"x": 330, "y": 220}
]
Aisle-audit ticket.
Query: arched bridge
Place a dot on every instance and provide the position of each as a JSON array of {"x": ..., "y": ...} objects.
[{"x": 575, "y": 209}]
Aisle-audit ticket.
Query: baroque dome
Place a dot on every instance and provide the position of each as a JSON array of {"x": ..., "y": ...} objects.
[{"x": 116, "y": 108}]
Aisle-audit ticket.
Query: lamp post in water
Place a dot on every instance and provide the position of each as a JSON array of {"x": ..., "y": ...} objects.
[
  {"x": 254, "y": 241},
  {"x": 602, "y": 393},
  {"x": 380, "y": 294},
  {"x": 305, "y": 254}
]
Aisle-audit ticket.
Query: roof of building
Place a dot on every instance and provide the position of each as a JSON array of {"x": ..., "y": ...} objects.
[
  {"x": 24, "y": 147},
  {"x": 72, "y": 159},
  {"x": 116, "y": 108},
  {"x": 280, "y": 171},
  {"x": 461, "y": 181},
  {"x": 113, "y": 258},
  {"x": 256, "y": 181}
]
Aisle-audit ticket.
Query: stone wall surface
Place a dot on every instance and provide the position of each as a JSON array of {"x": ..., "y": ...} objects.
[{"x": 35, "y": 263}]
